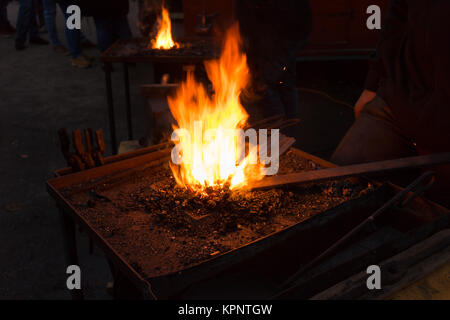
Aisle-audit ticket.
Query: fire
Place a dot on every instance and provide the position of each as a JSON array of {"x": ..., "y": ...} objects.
[
  {"x": 209, "y": 146},
  {"x": 164, "y": 37}
]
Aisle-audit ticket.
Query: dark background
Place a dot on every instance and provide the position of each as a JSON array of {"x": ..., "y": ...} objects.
[{"x": 40, "y": 92}]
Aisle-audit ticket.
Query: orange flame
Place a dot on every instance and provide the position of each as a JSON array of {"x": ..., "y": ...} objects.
[
  {"x": 164, "y": 37},
  {"x": 210, "y": 148}
]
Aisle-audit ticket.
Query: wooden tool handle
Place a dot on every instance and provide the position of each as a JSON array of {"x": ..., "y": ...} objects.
[
  {"x": 352, "y": 170},
  {"x": 78, "y": 142}
]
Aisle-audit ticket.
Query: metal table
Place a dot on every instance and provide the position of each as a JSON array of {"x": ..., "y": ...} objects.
[
  {"x": 130, "y": 51},
  {"x": 423, "y": 220}
]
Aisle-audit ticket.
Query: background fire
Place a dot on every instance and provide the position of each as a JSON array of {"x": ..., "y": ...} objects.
[{"x": 163, "y": 38}]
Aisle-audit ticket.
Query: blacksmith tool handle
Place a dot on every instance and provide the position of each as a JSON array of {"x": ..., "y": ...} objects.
[
  {"x": 285, "y": 124},
  {"x": 417, "y": 187},
  {"x": 420, "y": 189},
  {"x": 264, "y": 122},
  {"x": 360, "y": 169},
  {"x": 73, "y": 160}
]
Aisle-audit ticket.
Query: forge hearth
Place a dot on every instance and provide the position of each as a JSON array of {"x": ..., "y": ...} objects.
[
  {"x": 137, "y": 49},
  {"x": 166, "y": 237},
  {"x": 149, "y": 214}
]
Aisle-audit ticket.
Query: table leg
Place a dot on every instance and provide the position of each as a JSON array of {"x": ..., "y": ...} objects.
[
  {"x": 123, "y": 287},
  {"x": 109, "y": 97},
  {"x": 70, "y": 248},
  {"x": 126, "y": 80}
]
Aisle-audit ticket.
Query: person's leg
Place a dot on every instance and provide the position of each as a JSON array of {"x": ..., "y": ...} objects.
[
  {"x": 73, "y": 42},
  {"x": 50, "y": 23},
  {"x": 105, "y": 32},
  {"x": 3, "y": 14},
  {"x": 373, "y": 137},
  {"x": 6, "y": 29},
  {"x": 34, "y": 27},
  {"x": 83, "y": 37},
  {"x": 122, "y": 28},
  {"x": 63, "y": 8},
  {"x": 73, "y": 38},
  {"x": 24, "y": 18},
  {"x": 39, "y": 10},
  {"x": 27, "y": 25},
  {"x": 26, "y": 21}
]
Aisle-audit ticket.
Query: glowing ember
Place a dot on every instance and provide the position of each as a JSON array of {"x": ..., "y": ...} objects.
[
  {"x": 207, "y": 138},
  {"x": 164, "y": 37}
]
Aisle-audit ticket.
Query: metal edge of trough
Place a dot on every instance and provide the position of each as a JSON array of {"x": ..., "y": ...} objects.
[{"x": 218, "y": 263}]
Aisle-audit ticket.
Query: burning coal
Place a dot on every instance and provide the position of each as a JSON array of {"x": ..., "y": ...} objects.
[
  {"x": 163, "y": 38},
  {"x": 207, "y": 132}
]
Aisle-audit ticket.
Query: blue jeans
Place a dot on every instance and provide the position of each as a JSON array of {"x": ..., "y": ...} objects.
[
  {"x": 74, "y": 37},
  {"x": 109, "y": 29},
  {"x": 3, "y": 14},
  {"x": 26, "y": 21},
  {"x": 50, "y": 24}
]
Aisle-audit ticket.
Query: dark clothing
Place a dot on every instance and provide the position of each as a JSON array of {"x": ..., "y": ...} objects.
[
  {"x": 74, "y": 37},
  {"x": 3, "y": 14},
  {"x": 375, "y": 136},
  {"x": 101, "y": 8},
  {"x": 110, "y": 18},
  {"x": 109, "y": 29},
  {"x": 26, "y": 21},
  {"x": 271, "y": 25},
  {"x": 273, "y": 32},
  {"x": 411, "y": 70}
]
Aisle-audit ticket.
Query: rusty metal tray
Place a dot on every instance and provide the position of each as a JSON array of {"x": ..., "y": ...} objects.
[
  {"x": 134, "y": 51},
  {"x": 294, "y": 245}
]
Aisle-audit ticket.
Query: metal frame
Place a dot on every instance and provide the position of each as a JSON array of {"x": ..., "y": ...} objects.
[
  {"x": 109, "y": 57},
  {"x": 135, "y": 160},
  {"x": 70, "y": 219}
]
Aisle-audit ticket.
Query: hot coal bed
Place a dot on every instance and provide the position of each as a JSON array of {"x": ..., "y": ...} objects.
[
  {"x": 163, "y": 228},
  {"x": 139, "y": 48}
]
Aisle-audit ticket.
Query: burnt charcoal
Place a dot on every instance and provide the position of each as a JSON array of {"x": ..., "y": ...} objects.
[
  {"x": 140, "y": 48},
  {"x": 91, "y": 203},
  {"x": 164, "y": 228}
]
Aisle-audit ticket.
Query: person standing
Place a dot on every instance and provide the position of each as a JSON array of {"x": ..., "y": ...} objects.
[
  {"x": 111, "y": 22},
  {"x": 50, "y": 24},
  {"x": 74, "y": 37},
  {"x": 273, "y": 33},
  {"x": 404, "y": 110},
  {"x": 6, "y": 29},
  {"x": 27, "y": 25}
]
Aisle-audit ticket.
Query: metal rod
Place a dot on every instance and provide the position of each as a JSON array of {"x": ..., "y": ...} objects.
[
  {"x": 70, "y": 246},
  {"x": 126, "y": 80},
  {"x": 109, "y": 97},
  {"x": 369, "y": 220},
  {"x": 352, "y": 170}
]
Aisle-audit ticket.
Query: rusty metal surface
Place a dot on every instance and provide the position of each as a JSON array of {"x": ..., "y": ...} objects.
[
  {"x": 331, "y": 224},
  {"x": 415, "y": 188},
  {"x": 136, "y": 50},
  {"x": 167, "y": 284}
]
